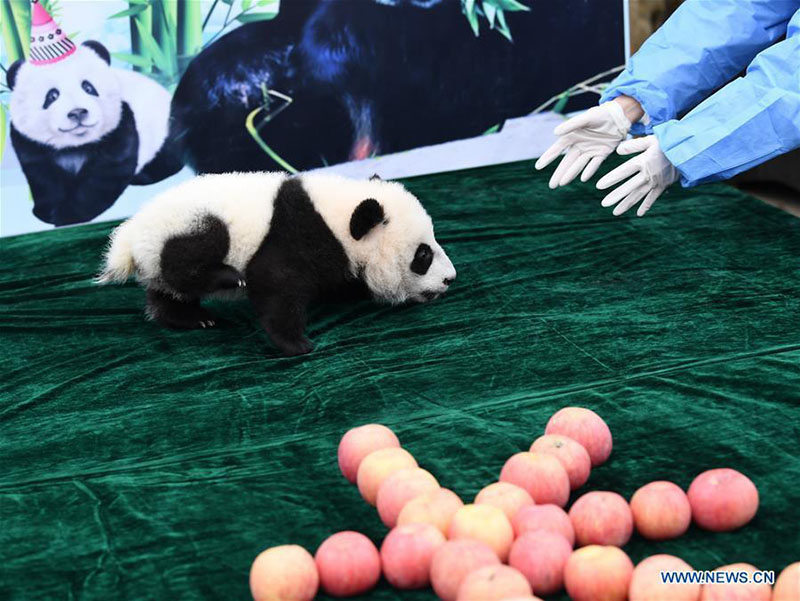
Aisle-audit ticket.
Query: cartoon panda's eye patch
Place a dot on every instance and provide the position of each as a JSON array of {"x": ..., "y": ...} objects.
[
  {"x": 50, "y": 98},
  {"x": 89, "y": 88},
  {"x": 422, "y": 259}
]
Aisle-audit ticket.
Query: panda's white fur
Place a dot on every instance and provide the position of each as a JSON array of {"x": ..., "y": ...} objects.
[
  {"x": 52, "y": 126},
  {"x": 244, "y": 203}
]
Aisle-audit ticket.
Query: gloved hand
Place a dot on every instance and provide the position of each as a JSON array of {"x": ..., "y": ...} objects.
[
  {"x": 588, "y": 139},
  {"x": 652, "y": 174}
]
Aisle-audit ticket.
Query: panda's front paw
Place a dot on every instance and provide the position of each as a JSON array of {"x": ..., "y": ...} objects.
[{"x": 292, "y": 348}]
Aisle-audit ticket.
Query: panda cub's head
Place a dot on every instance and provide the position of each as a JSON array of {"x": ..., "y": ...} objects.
[
  {"x": 388, "y": 238},
  {"x": 68, "y": 103}
]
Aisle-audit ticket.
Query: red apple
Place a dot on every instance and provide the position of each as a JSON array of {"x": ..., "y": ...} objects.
[
  {"x": 722, "y": 499},
  {"x": 601, "y": 518},
  {"x": 787, "y": 586},
  {"x": 541, "y": 556},
  {"x": 736, "y": 588},
  {"x": 544, "y": 517},
  {"x": 485, "y": 523},
  {"x": 360, "y": 442},
  {"x": 661, "y": 510},
  {"x": 505, "y": 496},
  {"x": 407, "y": 552},
  {"x": 572, "y": 455},
  {"x": 587, "y": 428},
  {"x": 399, "y": 488},
  {"x": 348, "y": 564},
  {"x": 285, "y": 573},
  {"x": 596, "y": 573},
  {"x": 493, "y": 583},
  {"x": 377, "y": 467},
  {"x": 436, "y": 508},
  {"x": 541, "y": 475},
  {"x": 647, "y": 583},
  {"x": 454, "y": 560}
]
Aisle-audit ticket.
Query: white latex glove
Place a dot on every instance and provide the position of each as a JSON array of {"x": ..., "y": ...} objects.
[
  {"x": 652, "y": 174},
  {"x": 587, "y": 139}
]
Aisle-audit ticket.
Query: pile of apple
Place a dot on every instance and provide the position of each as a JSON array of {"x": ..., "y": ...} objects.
[{"x": 516, "y": 540}]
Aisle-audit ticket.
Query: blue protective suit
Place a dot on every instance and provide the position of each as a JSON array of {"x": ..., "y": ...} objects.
[{"x": 700, "y": 48}]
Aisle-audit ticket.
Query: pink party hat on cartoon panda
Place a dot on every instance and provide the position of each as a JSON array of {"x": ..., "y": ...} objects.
[{"x": 49, "y": 44}]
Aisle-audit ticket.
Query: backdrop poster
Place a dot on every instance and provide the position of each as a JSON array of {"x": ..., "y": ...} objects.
[{"x": 105, "y": 103}]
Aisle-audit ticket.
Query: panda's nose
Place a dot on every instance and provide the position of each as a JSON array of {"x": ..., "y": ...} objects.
[
  {"x": 448, "y": 281},
  {"x": 77, "y": 115}
]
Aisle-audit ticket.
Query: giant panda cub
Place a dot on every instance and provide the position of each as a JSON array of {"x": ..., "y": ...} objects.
[
  {"x": 83, "y": 131},
  {"x": 282, "y": 240}
]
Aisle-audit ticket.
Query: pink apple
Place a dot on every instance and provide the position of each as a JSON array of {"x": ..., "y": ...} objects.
[
  {"x": 407, "y": 553},
  {"x": 541, "y": 556},
  {"x": 360, "y": 442},
  {"x": 723, "y": 499},
  {"x": 596, "y": 573},
  {"x": 436, "y": 508},
  {"x": 454, "y": 560},
  {"x": 285, "y": 573},
  {"x": 541, "y": 475},
  {"x": 505, "y": 496},
  {"x": 572, "y": 455},
  {"x": 647, "y": 584},
  {"x": 787, "y": 586},
  {"x": 661, "y": 510},
  {"x": 587, "y": 428},
  {"x": 544, "y": 517},
  {"x": 348, "y": 564},
  {"x": 601, "y": 518},
  {"x": 736, "y": 589},
  {"x": 377, "y": 467},
  {"x": 493, "y": 583},
  {"x": 399, "y": 488},
  {"x": 484, "y": 523}
]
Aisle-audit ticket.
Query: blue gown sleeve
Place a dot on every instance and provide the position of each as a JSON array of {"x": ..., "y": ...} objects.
[
  {"x": 702, "y": 46},
  {"x": 749, "y": 121}
]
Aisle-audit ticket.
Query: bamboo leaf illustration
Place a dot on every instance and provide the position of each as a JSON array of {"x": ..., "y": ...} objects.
[
  {"x": 253, "y": 17},
  {"x": 134, "y": 59},
  {"x": 152, "y": 48},
  {"x": 130, "y": 12}
]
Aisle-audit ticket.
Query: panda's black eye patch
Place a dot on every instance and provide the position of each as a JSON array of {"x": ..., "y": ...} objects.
[
  {"x": 50, "y": 98},
  {"x": 422, "y": 259},
  {"x": 89, "y": 88}
]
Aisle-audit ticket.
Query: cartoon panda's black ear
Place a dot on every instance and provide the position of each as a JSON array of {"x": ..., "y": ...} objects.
[
  {"x": 98, "y": 49},
  {"x": 11, "y": 74},
  {"x": 367, "y": 215},
  {"x": 375, "y": 176}
]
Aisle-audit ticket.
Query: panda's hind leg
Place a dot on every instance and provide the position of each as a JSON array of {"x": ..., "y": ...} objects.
[
  {"x": 193, "y": 264},
  {"x": 176, "y": 313}
]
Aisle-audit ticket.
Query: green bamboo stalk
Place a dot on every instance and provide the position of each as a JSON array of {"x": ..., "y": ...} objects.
[
  {"x": 165, "y": 14},
  {"x": 145, "y": 21},
  {"x": 190, "y": 31},
  {"x": 11, "y": 34},
  {"x": 22, "y": 17}
]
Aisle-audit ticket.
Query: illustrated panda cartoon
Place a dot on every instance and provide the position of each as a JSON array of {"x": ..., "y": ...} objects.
[
  {"x": 83, "y": 131},
  {"x": 284, "y": 241}
]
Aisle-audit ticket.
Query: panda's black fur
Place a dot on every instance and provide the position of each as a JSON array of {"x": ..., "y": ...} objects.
[
  {"x": 76, "y": 184},
  {"x": 375, "y": 76}
]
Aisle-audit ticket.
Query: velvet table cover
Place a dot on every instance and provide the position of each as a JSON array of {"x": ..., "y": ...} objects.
[{"x": 141, "y": 463}]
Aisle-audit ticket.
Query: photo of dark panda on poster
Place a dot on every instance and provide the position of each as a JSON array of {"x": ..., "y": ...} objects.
[
  {"x": 281, "y": 241},
  {"x": 373, "y": 77},
  {"x": 83, "y": 131}
]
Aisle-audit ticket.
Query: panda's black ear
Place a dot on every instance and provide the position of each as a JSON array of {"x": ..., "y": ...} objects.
[
  {"x": 98, "y": 49},
  {"x": 367, "y": 215},
  {"x": 375, "y": 176},
  {"x": 11, "y": 74}
]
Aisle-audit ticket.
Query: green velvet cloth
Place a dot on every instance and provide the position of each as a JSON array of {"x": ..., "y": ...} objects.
[{"x": 140, "y": 463}]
